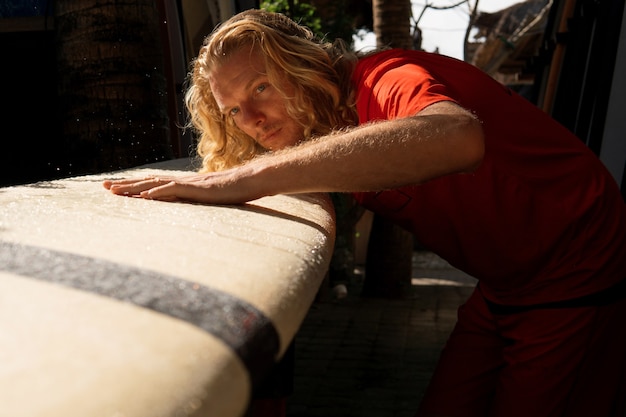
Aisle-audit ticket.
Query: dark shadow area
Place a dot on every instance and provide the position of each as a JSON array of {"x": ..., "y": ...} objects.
[
  {"x": 371, "y": 357},
  {"x": 31, "y": 138}
]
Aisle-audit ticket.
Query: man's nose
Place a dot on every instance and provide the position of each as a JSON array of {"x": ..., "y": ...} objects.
[{"x": 252, "y": 116}]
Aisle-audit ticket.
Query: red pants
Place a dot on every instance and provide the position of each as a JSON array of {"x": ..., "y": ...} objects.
[{"x": 566, "y": 362}]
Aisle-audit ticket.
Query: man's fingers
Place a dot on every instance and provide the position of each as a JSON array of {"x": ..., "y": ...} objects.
[
  {"x": 134, "y": 186},
  {"x": 155, "y": 180},
  {"x": 179, "y": 191},
  {"x": 161, "y": 190},
  {"x": 132, "y": 181}
]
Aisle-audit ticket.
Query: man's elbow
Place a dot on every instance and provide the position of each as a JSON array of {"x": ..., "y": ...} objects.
[
  {"x": 475, "y": 144},
  {"x": 477, "y": 147}
]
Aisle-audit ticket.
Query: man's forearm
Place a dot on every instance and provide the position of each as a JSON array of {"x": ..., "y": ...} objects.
[{"x": 374, "y": 157}]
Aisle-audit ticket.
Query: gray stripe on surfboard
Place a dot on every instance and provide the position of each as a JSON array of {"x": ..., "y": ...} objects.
[{"x": 240, "y": 325}]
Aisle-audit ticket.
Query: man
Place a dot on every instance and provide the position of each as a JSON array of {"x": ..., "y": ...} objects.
[{"x": 479, "y": 175}]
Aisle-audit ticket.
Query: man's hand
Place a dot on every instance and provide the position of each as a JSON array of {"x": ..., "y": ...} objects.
[{"x": 213, "y": 188}]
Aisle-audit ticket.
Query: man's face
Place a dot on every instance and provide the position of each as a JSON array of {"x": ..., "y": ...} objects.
[{"x": 244, "y": 93}]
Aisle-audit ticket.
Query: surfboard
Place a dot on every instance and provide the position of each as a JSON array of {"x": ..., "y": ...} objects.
[{"x": 124, "y": 307}]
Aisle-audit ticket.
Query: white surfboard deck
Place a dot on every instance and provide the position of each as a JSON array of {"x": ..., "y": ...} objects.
[{"x": 123, "y": 307}]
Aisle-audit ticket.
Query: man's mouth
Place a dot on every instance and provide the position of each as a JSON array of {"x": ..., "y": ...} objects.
[{"x": 267, "y": 138}]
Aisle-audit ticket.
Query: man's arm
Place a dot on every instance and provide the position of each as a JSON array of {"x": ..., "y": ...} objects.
[{"x": 442, "y": 139}]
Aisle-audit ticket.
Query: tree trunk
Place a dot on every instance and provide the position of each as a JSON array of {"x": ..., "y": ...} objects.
[
  {"x": 112, "y": 88},
  {"x": 389, "y": 264},
  {"x": 389, "y": 253},
  {"x": 391, "y": 23}
]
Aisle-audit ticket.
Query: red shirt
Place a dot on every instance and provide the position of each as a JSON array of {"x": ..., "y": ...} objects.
[{"x": 540, "y": 220}]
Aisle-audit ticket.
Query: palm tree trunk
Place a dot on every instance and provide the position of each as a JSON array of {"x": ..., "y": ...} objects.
[
  {"x": 389, "y": 253},
  {"x": 391, "y": 23},
  {"x": 112, "y": 88},
  {"x": 389, "y": 266}
]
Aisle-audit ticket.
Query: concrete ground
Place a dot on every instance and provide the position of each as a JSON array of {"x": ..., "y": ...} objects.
[{"x": 370, "y": 357}]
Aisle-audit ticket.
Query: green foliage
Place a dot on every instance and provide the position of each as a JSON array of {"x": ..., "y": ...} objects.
[
  {"x": 340, "y": 22},
  {"x": 336, "y": 23},
  {"x": 301, "y": 12}
]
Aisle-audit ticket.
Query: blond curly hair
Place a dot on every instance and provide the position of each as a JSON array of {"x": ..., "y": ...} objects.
[{"x": 320, "y": 72}]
